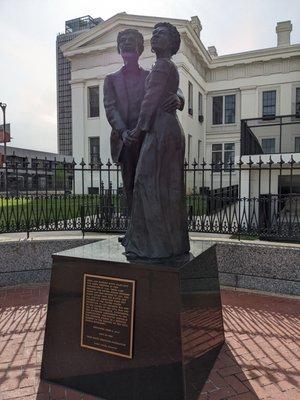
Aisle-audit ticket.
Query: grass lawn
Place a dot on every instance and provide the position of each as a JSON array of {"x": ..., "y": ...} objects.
[
  {"x": 196, "y": 204},
  {"x": 34, "y": 212}
]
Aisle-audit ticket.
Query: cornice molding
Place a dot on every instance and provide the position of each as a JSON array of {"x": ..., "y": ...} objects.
[
  {"x": 254, "y": 68},
  {"x": 79, "y": 45},
  {"x": 233, "y": 66},
  {"x": 116, "y": 20},
  {"x": 260, "y": 55},
  {"x": 248, "y": 87}
]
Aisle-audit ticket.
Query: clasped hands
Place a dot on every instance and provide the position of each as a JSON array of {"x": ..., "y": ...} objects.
[
  {"x": 129, "y": 137},
  {"x": 171, "y": 104}
]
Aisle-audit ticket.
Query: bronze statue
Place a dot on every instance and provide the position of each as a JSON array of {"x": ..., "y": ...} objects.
[
  {"x": 124, "y": 91},
  {"x": 158, "y": 224}
]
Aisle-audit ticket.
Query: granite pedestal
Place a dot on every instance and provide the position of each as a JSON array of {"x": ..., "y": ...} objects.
[{"x": 174, "y": 318}]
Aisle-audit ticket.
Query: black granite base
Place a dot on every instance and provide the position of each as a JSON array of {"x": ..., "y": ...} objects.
[{"x": 177, "y": 334}]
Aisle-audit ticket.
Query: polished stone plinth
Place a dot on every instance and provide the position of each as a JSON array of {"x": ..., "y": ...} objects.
[{"x": 177, "y": 332}]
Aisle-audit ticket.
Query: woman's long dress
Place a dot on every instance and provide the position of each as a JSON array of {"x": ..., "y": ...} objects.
[{"x": 158, "y": 225}]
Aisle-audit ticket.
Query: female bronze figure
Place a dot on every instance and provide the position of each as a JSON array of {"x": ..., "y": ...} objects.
[{"x": 158, "y": 225}]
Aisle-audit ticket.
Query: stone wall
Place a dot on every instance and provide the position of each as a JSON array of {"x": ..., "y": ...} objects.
[
  {"x": 30, "y": 261},
  {"x": 269, "y": 268}
]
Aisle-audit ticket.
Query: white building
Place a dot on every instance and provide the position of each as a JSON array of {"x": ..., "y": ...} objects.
[{"x": 219, "y": 91}]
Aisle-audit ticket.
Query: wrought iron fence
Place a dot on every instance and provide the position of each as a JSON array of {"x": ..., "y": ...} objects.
[{"x": 254, "y": 197}]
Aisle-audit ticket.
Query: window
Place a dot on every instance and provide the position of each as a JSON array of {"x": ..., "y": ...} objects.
[
  {"x": 269, "y": 103},
  {"x": 93, "y": 98},
  {"x": 222, "y": 153},
  {"x": 200, "y": 107},
  {"x": 289, "y": 184},
  {"x": 268, "y": 146},
  {"x": 228, "y": 155},
  {"x": 189, "y": 148},
  {"x": 217, "y": 110},
  {"x": 230, "y": 109},
  {"x": 37, "y": 163},
  {"x": 48, "y": 165},
  {"x": 297, "y": 144},
  {"x": 217, "y": 156},
  {"x": 199, "y": 152},
  {"x": 190, "y": 99},
  {"x": 49, "y": 182},
  {"x": 94, "y": 150},
  {"x": 224, "y": 110},
  {"x": 298, "y": 102}
]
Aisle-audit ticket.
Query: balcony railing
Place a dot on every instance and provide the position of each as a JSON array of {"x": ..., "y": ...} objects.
[{"x": 270, "y": 135}]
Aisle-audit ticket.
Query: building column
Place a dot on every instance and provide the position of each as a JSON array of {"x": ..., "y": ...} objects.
[
  {"x": 78, "y": 130},
  {"x": 78, "y": 121}
]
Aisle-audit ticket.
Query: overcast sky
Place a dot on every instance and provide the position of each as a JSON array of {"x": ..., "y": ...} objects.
[{"x": 28, "y": 31}]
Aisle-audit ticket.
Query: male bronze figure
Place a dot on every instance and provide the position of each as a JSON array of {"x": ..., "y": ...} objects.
[{"x": 124, "y": 91}]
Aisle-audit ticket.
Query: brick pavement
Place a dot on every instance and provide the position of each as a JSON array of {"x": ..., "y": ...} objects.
[{"x": 258, "y": 361}]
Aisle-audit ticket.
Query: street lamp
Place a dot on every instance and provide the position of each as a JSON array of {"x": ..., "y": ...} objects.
[{"x": 3, "y": 107}]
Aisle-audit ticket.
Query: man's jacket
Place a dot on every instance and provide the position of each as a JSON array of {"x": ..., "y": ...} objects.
[{"x": 116, "y": 107}]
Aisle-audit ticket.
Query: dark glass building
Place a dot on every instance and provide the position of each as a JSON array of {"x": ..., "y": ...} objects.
[{"x": 73, "y": 28}]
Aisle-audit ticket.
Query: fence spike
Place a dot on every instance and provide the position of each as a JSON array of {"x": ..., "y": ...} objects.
[
  {"x": 260, "y": 162},
  {"x": 281, "y": 161},
  {"x": 240, "y": 162},
  {"x": 292, "y": 161}
]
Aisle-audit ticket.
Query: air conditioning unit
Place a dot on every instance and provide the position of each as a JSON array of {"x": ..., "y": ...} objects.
[
  {"x": 268, "y": 117},
  {"x": 200, "y": 118}
]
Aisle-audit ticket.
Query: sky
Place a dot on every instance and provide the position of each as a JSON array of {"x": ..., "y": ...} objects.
[{"x": 28, "y": 30}]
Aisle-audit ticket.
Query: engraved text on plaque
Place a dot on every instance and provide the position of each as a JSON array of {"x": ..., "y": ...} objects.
[{"x": 107, "y": 314}]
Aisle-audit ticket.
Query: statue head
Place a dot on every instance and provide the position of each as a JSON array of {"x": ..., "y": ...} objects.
[
  {"x": 130, "y": 41},
  {"x": 165, "y": 38}
]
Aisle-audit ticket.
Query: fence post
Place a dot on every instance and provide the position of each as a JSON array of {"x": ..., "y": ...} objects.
[
  {"x": 240, "y": 163},
  {"x": 27, "y": 211},
  {"x": 291, "y": 162},
  {"x": 203, "y": 196},
  {"x": 109, "y": 205},
  {"x": 82, "y": 164},
  {"x": 82, "y": 218},
  {"x": 250, "y": 163}
]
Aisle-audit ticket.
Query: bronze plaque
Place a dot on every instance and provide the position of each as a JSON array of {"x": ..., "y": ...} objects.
[{"x": 107, "y": 314}]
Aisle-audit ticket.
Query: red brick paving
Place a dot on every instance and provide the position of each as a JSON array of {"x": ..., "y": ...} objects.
[{"x": 260, "y": 359}]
